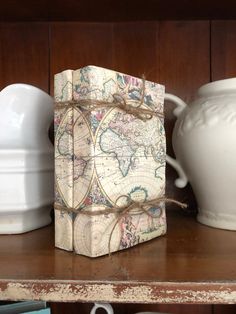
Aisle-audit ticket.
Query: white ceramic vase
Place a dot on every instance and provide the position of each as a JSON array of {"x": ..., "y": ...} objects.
[
  {"x": 204, "y": 141},
  {"x": 26, "y": 159}
]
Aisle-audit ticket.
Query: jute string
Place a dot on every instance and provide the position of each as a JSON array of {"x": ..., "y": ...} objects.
[
  {"x": 121, "y": 211},
  {"x": 131, "y": 107},
  {"x": 134, "y": 108}
]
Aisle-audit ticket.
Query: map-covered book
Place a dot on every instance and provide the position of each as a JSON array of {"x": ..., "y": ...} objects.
[{"x": 106, "y": 157}]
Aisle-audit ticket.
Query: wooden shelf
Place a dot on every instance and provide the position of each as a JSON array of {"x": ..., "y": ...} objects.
[
  {"x": 123, "y": 10},
  {"x": 193, "y": 263}
]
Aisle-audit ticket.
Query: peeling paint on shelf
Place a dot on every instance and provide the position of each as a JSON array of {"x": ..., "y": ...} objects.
[{"x": 119, "y": 292}]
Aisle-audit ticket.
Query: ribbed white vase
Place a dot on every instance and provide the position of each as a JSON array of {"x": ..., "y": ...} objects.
[{"x": 26, "y": 159}]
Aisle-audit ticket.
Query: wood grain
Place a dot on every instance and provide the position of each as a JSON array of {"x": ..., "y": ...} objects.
[
  {"x": 165, "y": 308},
  {"x": 24, "y": 54},
  {"x": 123, "y": 10},
  {"x": 184, "y": 56},
  {"x": 74, "y": 45},
  {"x": 82, "y": 308},
  {"x": 223, "y": 49},
  {"x": 135, "y": 49},
  {"x": 71, "y": 308},
  {"x": 184, "y": 67},
  {"x": 224, "y": 309},
  {"x": 191, "y": 264}
]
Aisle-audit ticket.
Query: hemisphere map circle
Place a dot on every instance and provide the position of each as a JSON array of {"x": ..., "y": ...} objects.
[{"x": 130, "y": 157}]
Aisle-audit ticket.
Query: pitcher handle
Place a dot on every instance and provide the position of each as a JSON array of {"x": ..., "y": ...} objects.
[
  {"x": 182, "y": 181},
  {"x": 106, "y": 306}
]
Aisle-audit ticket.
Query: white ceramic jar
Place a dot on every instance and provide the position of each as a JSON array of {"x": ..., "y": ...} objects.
[
  {"x": 204, "y": 141},
  {"x": 26, "y": 159}
]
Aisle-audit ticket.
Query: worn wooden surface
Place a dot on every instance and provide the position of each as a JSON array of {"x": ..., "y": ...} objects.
[{"x": 192, "y": 264}]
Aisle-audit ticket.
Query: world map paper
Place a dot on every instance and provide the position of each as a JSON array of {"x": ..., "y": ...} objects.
[{"x": 104, "y": 158}]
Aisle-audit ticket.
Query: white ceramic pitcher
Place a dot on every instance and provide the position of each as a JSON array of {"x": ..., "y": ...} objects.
[
  {"x": 26, "y": 159},
  {"x": 204, "y": 141}
]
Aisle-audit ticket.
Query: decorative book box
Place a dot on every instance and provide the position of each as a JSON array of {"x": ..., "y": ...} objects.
[{"x": 106, "y": 158}]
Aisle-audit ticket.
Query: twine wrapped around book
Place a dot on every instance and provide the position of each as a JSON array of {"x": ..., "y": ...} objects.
[
  {"x": 121, "y": 211},
  {"x": 133, "y": 107}
]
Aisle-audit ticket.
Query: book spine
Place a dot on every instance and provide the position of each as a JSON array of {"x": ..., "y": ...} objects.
[{"x": 64, "y": 152}]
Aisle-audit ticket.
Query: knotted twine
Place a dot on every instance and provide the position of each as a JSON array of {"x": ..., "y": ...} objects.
[
  {"x": 121, "y": 211},
  {"x": 119, "y": 102},
  {"x": 143, "y": 114}
]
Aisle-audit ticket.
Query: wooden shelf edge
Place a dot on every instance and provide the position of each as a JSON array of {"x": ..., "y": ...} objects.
[{"x": 121, "y": 292}]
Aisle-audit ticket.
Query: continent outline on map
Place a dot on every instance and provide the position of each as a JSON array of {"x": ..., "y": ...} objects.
[
  {"x": 102, "y": 128},
  {"x": 72, "y": 158}
]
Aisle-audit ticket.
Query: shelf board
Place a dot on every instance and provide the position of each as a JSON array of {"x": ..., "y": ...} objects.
[
  {"x": 123, "y": 10},
  {"x": 193, "y": 263}
]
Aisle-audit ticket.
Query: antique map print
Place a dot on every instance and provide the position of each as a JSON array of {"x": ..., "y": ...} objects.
[{"x": 105, "y": 158}]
